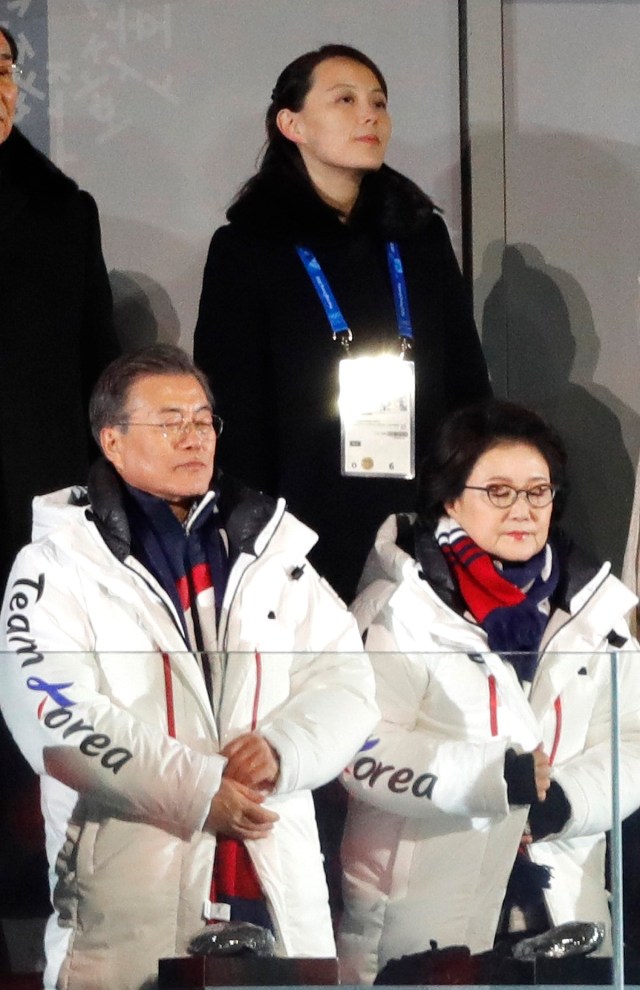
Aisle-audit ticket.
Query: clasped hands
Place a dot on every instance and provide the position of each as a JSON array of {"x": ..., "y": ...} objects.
[
  {"x": 250, "y": 775},
  {"x": 542, "y": 777}
]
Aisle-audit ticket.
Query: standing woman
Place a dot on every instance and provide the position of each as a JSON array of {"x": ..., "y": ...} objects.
[{"x": 331, "y": 256}]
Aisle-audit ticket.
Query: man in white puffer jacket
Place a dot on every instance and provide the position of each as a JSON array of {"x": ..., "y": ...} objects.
[{"x": 176, "y": 672}]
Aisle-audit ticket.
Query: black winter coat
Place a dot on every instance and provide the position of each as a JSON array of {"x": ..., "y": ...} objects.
[
  {"x": 56, "y": 331},
  {"x": 264, "y": 340}
]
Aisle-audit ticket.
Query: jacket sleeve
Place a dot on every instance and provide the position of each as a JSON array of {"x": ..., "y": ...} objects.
[
  {"x": 586, "y": 777},
  {"x": 65, "y": 723},
  {"x": 98, "y": 341},
  {"x": 331, "y": 706},
  {"x": 231, "y": 345},
  {"x": 408, "y": 766}
]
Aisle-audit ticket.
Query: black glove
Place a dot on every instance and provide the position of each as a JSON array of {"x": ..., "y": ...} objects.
[
  {"x": 519, "y": 773},
  {"x": 551, "y": 815}
]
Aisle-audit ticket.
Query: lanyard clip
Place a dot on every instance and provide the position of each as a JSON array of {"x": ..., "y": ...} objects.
[
  {"x": 406, "y": 344},
  {"x": 344, "y": 336}
]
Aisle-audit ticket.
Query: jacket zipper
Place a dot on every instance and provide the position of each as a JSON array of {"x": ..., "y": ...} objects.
[
  {"x": 168, "y": 693},
  {"x": 493, "y": 705},
  {"x": 251, "y": 563},
  {"x": 256, "y": 696},
  {"x": 557, "y": 705}
]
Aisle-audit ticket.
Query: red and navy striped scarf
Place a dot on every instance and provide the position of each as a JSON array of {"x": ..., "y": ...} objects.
[
  {"x": 509, "y": 600},
  {"x": 191, "y": 563}
]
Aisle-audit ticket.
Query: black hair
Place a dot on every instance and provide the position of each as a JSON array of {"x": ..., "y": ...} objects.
[
  {"x": 107, "y": 406},
  {"x": 466, "y": 435},
  {"x": 11, "y": 41},
  {"x": 289, "y": 93}
]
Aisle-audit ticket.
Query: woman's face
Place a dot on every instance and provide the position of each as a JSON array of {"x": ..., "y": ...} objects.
[
  {"x": 344, "y": 123},
  {"x": 516, "y": 533},
  {"x": 8, "y": 91}
]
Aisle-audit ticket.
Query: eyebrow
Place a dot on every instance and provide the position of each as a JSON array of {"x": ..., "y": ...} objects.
[
  {"x": 498, "y": 479},
  {"x": 348, "y": 85},
  {"x": 205, "y": 407}
]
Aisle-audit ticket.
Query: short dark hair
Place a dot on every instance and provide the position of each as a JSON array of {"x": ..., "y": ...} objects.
[
  {"x": 466, "y": 435},
  {"x": 11, "y": 41},
  {"x": 107, "y": 406},
  {"x": 289, "y": 93}
]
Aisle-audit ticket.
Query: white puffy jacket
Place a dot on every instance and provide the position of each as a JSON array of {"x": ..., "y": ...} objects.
[
  {"x": 430, "y": 838},
  {"x": 108, "y": 705}
]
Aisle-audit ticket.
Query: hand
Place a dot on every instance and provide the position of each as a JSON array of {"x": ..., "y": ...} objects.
[
  {"x": 542, "y": 772},
  {"x": 252, "y": 762},
  {"x": 235, "y": 811}
]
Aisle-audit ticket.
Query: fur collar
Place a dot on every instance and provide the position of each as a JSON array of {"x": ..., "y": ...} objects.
[
  {"x": 284, "y": 205},
  {"x": 23, "y": 166}
]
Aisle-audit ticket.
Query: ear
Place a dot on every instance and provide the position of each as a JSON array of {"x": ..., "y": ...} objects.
[
  {"x": 288, "y": 123},
  {"x": 451, "y": 509},
  {"x": 111, "y": 442}
]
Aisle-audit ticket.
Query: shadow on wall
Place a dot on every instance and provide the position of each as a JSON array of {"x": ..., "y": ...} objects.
[
  {"x": 142, "y": 311},
  {"x": 543, "y": 305}
]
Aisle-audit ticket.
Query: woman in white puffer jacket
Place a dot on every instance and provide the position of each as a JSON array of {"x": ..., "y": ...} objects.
[{"x": 480, "y": 802}]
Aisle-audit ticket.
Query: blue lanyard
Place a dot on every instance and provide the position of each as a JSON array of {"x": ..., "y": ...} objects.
[{"x": 337, "y": 322}]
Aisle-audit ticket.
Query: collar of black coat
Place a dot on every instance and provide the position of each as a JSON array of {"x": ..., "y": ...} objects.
[
  {"x": 244, "y": 512},
  {"x": 23, "y": 166},
  {"x": 283, "y": 204},
  {"x": 577, "y": 567}
]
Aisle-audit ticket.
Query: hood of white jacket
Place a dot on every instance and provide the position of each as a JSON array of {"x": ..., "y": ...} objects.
[{"x": 56, "y": 510}]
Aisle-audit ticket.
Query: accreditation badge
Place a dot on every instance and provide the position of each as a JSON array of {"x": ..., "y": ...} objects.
[{"x": 377, "y": 417}]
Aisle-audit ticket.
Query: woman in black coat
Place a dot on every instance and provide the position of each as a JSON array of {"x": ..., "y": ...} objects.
[{"x": 263, "y": 336}]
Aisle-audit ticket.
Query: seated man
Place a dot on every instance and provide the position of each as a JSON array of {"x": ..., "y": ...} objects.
[{"x": 176, "y": 672}]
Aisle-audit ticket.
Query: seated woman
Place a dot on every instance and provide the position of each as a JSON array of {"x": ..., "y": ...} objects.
[{"x": 480, "y": 802}]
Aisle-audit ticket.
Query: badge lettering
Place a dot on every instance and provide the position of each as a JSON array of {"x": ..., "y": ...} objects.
[
  {"x": 36, "y": 585},
  {"x": 52, "y": 720},
  {"x": 93, "y": 744},
  {"x": 18, "y": 626},
  {"x": 53, "y": 690},
  {"x": 116, "y": 758},
  {"x": 366, "y": 768},
  {"x": 18, "y": 601}
]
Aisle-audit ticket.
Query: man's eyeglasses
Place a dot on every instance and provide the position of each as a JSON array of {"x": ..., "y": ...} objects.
[
  {"x": 504, "y": 496},
  {"x": 175, "y": 430},
  {"x": 10, "y": 74}
]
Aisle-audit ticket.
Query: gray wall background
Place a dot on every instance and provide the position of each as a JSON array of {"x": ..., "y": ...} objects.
[
  {"x": 557, "y": 290},
  {"x": 156, "y": 107}
]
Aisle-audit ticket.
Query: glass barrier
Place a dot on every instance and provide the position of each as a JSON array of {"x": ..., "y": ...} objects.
[{"x": 462, "y": 821}]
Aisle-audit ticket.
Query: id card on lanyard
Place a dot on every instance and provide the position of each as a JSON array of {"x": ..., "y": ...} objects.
[{"x": 377, "y": 392}]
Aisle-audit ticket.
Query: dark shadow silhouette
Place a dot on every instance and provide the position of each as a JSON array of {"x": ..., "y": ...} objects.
[
  {"x": 535, "y": 359},
  {"x": 142, "y": 311},
  {"x": 534, "y": 347}
]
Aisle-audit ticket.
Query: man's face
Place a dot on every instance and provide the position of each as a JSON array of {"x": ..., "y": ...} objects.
[
  {"x": 8, "y": 90},
  {"x": 149, "y": 454}
]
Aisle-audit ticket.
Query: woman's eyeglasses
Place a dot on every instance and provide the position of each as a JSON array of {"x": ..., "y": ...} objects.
[{"x": 504, "y": 496}]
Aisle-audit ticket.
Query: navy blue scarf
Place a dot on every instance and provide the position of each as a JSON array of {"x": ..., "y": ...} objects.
[{"x": 185, "y": 561}]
